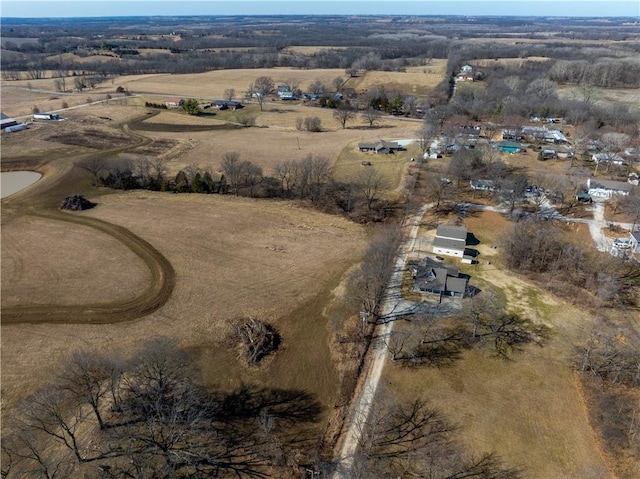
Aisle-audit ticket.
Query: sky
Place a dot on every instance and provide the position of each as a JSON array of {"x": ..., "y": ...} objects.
[{"x": 98, "y": 8}]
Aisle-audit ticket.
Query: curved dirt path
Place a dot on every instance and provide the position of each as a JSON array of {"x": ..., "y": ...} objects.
[{"x": 41, "y": 200}]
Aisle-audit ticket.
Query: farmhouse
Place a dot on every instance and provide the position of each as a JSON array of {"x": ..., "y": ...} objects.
[
  {"x": 438, "y": 278},
  {"x": 607, "y": 188},
  {"x": 380, "y": 148},
  {"x": 173, "y": 102},
  {"x": 450, "y": 240},
  {"x": 227, "y": 104}
]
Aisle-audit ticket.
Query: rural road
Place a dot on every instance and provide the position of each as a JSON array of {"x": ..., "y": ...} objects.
[{"x": 392, "y": 306}]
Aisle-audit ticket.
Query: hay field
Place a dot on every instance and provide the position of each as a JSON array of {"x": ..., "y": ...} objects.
[
  {"x": 530, "y": 410},
  {"x": 418, "y": 81},
  {"x": 277, "y": 140},
  {"x": 233, "y": 257},
  {"x": 213, "y": 84},
  {"x": 52, "y": 262}
]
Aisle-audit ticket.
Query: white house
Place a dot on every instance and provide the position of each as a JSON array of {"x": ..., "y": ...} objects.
[
  {"x": 450, "y": 240},
  {"x": 608, "y": 158},
  {"x": 466, "y": 69},
  {"x": 608, "y": 188}
]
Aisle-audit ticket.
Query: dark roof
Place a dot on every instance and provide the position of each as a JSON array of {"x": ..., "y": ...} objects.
[
  {"x": 452, "y": 231},
  {"x": 430, "y": 275},
  {"x": 449, "y": 243},
  {"x": 379, "y": 145}
]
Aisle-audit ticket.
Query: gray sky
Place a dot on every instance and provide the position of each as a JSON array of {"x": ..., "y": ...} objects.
[{"x": 84, "y": 8}]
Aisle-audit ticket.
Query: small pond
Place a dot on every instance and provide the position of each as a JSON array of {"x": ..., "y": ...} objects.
[{"x": 13, "y": 181}]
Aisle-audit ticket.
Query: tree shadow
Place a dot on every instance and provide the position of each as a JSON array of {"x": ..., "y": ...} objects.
[{"x": 291, "y": 405}]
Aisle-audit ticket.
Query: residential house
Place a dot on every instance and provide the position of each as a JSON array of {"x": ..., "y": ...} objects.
[
  {"x": 173, "y": 102},
  {"x": 549, "y": 154},
  {"x": 380, "y": 147},
  {"x": 633, "y": 179},
  {"x": 438, "y": 278},
  {"x": 466, "y": 69},
  {"x": 608, "y": 158},
  {"x": 482, "y": 185},
  {"x": 450, "y": 240},
  {"x": 607, "y": 188},
  {"x": 512, "y": 134},
  {"x": 555, "y": 136},
  {"x": 464, "y": 77}
]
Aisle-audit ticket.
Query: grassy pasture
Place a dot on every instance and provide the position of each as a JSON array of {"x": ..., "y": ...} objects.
[
  {"x": 65, "y": 269},
  {"x": 233, "y": 257}
]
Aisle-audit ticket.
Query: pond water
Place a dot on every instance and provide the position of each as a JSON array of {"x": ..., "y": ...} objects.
[{"x": 13, "y": 181}]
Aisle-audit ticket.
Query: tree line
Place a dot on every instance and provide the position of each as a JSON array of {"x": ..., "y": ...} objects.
[{"x": 308, "y": 179}]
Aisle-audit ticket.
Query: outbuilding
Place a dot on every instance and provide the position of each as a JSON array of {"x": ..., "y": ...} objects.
[{"x": 450, "y": 240}]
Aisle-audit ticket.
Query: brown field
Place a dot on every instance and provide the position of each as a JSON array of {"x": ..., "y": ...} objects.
[
  {"x": 50, "y": 262},
  {"x": 529, "y": 410},
  {"x": 233, "y": 257}
]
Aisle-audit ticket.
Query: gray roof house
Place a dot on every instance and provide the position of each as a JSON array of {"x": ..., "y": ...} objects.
[
  {"x": 380, "y": 147},
  {"x": 450, "y": 240},
  {"x": 608, "y": 188},
  {"x": 439, "y": 278}
]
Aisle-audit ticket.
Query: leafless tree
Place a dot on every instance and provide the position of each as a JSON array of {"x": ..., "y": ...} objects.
[
  {"x": 251, "y": 175},
  {"x": 51, "y": 412},
  {"x": 232, "y": 170},
  {"x": 86, "y": 377},
  {"x": 343, "y": 114},
  {"x": 262, "y": 87},
  {"x": 370, "y": 281},
  {"x": 371, "y": 184},
  {"x": 229, "y": 94},
  {"x": 287, "y": 173},
  {"x": 371, "y": 116},
  {"x": 95, "y": 165}
]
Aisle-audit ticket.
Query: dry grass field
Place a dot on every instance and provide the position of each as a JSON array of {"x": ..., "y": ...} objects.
[
  {"x": 530, "y": 410},
  {"x": 49, "y": 262},
  {"x": 233, "y": 257}
]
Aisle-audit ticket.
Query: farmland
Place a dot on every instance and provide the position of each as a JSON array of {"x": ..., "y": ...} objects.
[{"x": 167, "y": 259}]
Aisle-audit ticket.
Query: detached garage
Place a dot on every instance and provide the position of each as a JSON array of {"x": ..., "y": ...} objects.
[{"x": 450, "y": 240}]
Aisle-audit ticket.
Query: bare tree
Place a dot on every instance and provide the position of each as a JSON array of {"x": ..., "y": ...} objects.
[
  {"x": 53, "y": 413},
  {"x": 261, "y": 88},
  {"x": 287, "y": 173},
  {"x": 371, "y": 116},
  {"x": 232, "y": 170},
  {"x": 371, "y": 184},
  {"x": 229, "y": 94},
  {"x": 251, "y": 175},
  {"x": 343, "y": 114},
  {"x": 86, "y": 377},
  {"x": 95, "y": 165}
]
